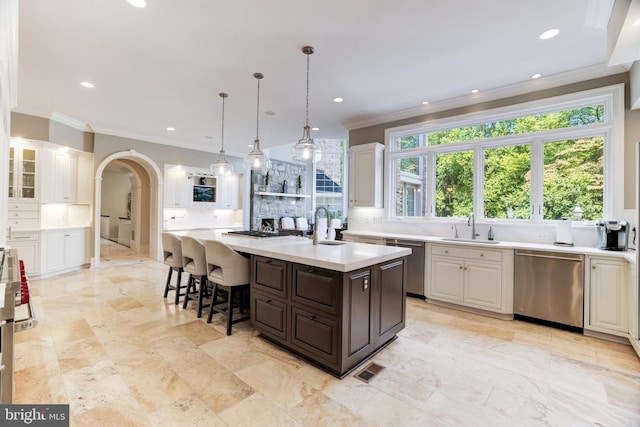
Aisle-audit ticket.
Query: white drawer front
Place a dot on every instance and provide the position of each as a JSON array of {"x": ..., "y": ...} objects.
[
  {"x": 24, "y": 236},
  {"x": 464, "y": 252},
  {"x": 23, "y": 207},
  {"x": 23, "y": 223},
  {"x": 23, "y": 215}
]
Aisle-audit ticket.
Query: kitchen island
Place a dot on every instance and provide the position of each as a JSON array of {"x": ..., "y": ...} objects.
[{"x": 334, "y": 305}]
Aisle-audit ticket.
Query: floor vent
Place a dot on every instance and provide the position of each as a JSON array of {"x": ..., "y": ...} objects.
[{"x": 369, "y": 372}]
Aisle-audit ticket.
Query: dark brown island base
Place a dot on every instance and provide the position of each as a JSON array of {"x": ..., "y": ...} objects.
[{"x": 334, "y": 320}]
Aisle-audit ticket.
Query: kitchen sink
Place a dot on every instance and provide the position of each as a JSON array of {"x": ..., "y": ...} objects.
[
  {"x": 332, "y": 242},
  {"x": 485, "y": 242}
]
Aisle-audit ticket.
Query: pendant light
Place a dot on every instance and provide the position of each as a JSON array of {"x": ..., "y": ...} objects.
[
  {"x": 222, "y": 166},
  {"x": 256, "y": 159},
  {"x": 306, "y": 149}
]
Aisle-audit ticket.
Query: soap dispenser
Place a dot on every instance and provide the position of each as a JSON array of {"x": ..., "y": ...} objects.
[{"x": 490, "y": 235}]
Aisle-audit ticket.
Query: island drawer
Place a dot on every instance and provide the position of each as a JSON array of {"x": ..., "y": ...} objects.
[
  {"x": 269, "y": 315},
  {"x": 315, "y": 287},
  {"x": 314, "y": 334},
  {"x": 269, "y": 275},
  {"x": 464, "y": 252}
]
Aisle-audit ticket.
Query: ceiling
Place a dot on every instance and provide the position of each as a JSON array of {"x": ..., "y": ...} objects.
[{"x": 164, "y": 65}]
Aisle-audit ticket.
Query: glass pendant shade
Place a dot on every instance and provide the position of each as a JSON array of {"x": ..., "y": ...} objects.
[
  {"x": 256, "y": 159},
  {"x": 306, "y": 149},
  {"x": 221, "y": 166}
]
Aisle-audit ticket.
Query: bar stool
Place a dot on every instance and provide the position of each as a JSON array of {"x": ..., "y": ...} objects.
[
  {"x": 195, "y": 263},
  {"x": 229, "y": 273},
  {"x": 172, "y": 253}
]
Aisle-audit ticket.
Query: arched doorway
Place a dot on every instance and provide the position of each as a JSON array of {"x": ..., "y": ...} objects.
[{"x": 147, "y": 175}]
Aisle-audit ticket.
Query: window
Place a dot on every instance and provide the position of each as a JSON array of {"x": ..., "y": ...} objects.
[
  {"x": 537, "y": 163},
  {"x": 329, "y": 179}
]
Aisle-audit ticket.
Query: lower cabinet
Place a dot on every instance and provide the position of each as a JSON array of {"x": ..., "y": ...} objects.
[
  {"x": 333, "y": 319},
  {"x": 27, "y": 243},
  {"x": 473, "y": 277},
  {"x": 606, "y": 296},
  {"x": 64, "y": 249}
]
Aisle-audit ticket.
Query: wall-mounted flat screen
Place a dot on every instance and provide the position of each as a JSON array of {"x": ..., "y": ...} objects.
[{"x": 203, "y": 193}]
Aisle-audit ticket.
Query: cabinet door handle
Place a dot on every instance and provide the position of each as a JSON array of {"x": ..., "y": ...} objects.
[
  {"x": 593, "y": 267},
  {"x": 446, "y": 252},
  {"x": 268, "y": 301},
  {"x": 312, "y": 270},
  {"x": 269, "y": 261},
  {"x": 481, "y": 255},
  {"x": 365, "y": 284},
  {"x": 312, "y": 317},
  {"x": 461, "y": 267}
]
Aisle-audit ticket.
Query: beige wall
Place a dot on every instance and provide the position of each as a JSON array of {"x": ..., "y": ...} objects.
[
  {"x": 631, "y": 128},
  {"x": 41, "y": 129}
]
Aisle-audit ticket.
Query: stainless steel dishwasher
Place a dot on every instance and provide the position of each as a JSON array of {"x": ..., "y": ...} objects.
[
  {"x": 549, "y": 286},
  {"x": 415, "y": 265}
]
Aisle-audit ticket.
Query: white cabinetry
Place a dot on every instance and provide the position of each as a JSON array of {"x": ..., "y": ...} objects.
[
  {"x": 27, "y": 243},
  {"x": 23, "y": 215},
  {"x": 23, "y": 169},
  {"x": 365, "y": 175},
  {"x": 124, "y": 232},
  {"x": 177, "y": 189},
  {"x": 64, "y": 249},
  {"x": 606, "y": 293},
  {"x": 61, "y": 169},
  {"x": 228, "y": 188},
  {"x": 473, "y": 277}
]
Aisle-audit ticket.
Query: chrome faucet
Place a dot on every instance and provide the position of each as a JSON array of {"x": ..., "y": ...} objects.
[
  {"x": 471, "y": 221},
  {"x": 454, "y": 227},
  {"x": 315, "y": 222}
]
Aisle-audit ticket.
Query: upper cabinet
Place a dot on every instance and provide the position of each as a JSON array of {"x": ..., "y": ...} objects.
[
  {"x": 23, "y": 170},
  {"x": 60, "y": 168},
  {"x": 177, "y": 189},
  {"x": 228, "y": 192},
  {"x": 365, "y": 175}
]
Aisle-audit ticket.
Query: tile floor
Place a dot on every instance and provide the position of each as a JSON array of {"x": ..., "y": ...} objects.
[{"x": 110, "y": 346}]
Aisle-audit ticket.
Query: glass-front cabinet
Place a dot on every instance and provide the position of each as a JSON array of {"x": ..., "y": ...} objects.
[{"x": 22, "y": 173}]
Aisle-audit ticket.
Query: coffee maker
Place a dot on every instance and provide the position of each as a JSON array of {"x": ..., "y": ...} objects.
[{"x": 612, "y": 234}]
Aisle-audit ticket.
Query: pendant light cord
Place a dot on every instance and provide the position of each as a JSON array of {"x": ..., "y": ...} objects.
[
  {"x": 258, "y": 76},
  {"x": 223, "y": 96},
  {"x": 307, "y": 105}
]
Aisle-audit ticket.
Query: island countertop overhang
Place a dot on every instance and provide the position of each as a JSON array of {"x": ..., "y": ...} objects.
[{"x": 343, "y": 258}]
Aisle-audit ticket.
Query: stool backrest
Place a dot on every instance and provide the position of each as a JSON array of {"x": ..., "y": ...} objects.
[
  {"x": 235, "y": 268},
  {"x": 287, "y": 223},
  {"x": 302, "y": 224},
  {"x": 193, "y": 257},
  {"x": 172, "y": 250}
]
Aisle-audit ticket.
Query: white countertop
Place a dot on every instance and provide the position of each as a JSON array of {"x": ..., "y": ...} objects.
[
  {"x": 628, "y": 255},
  {"x": 346, "y": 257}
]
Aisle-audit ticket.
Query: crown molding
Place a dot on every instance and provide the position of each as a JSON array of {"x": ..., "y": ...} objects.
[
  {"x": 533, "y": 85},
  {"x": 71, "y": 122}
]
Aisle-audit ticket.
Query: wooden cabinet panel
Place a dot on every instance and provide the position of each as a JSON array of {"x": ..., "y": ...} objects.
[
  {"x": 391, "y": 296},
  {"x": 607, "y": 294},
  {"x": 269, "y": 315},
  {"x": 483, "y": 285},
  {"x": 358, "y": 311},
  {"x": 315, "y": 288},
  {"x": 315, "y": 334},
  {"x": 270, "y": 275}
]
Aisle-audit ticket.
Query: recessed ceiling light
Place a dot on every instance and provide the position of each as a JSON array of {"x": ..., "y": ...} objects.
[
  {"x": 536, "y": 76},
  {"x": 138, "y": 3},
  {"x": 171, "y": 129},
  {"x": 425, "y": 102},
  {"x": 475, "y": 91},
  {"x": 549, "y": 34},
  {"x": 88, "y": 84},
  {"x": 270, "y": 113},
  {"x": 338, "y": 100},
  {"x": 208, "y": 137},
  {"x": 315, "y": 128}
]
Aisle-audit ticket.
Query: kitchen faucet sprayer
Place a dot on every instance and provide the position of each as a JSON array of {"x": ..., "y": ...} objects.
[
  {"x": 315, "y": 222},
  {"x": 471, "y": 221}
]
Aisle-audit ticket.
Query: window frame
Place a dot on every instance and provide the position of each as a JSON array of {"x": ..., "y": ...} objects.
[{"x": 612, "y": 129}]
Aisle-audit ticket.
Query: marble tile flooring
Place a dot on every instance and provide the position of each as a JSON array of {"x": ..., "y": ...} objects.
[{"x": 121, "y": 355}]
